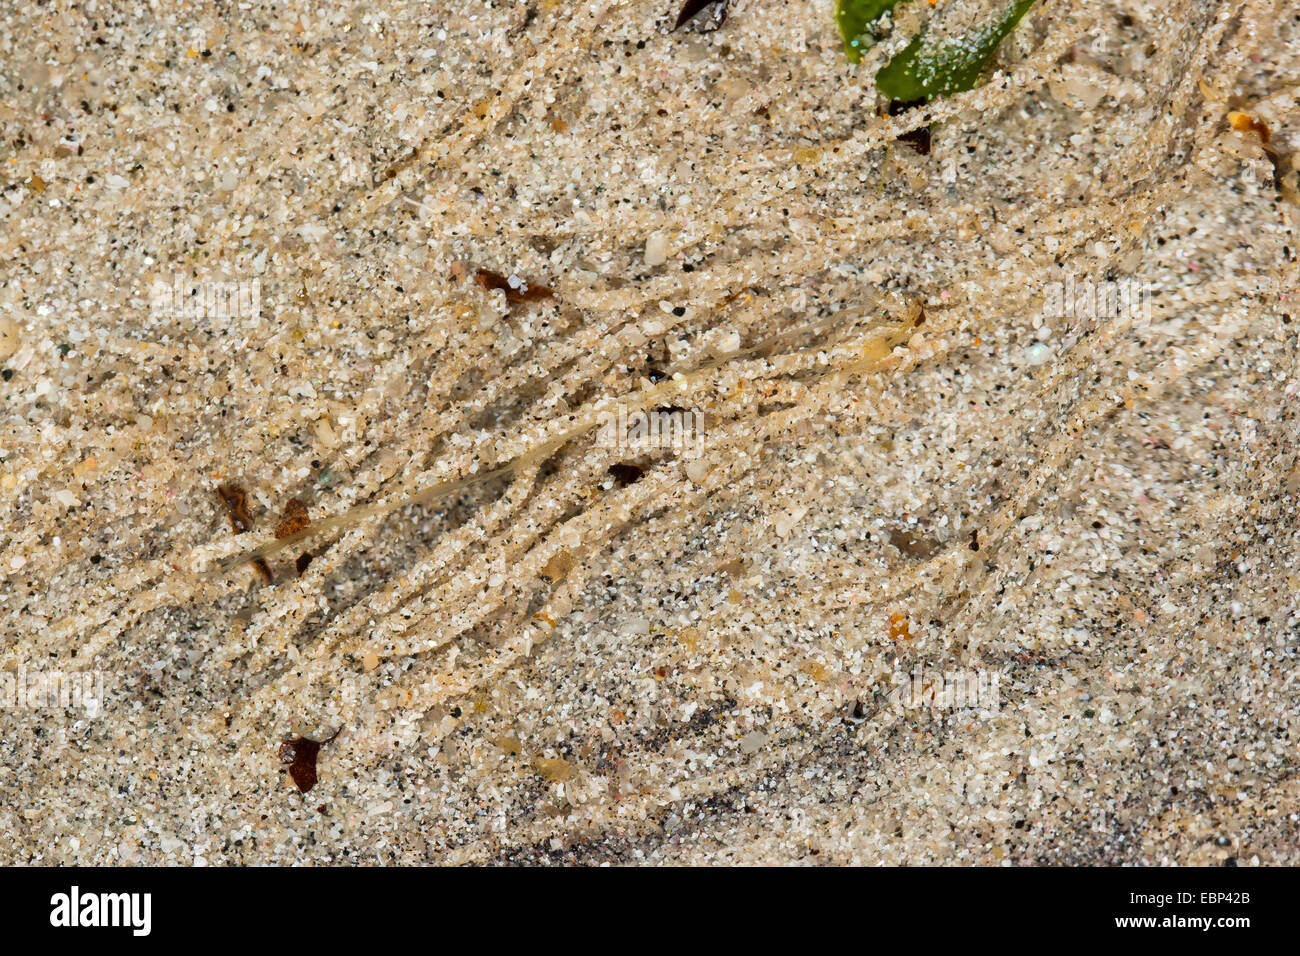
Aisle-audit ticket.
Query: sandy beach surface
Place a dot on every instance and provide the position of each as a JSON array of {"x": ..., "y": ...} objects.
[{"x": 967, "y": 533}]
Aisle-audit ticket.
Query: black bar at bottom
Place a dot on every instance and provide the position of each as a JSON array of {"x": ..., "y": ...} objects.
[{"x": 314, "y": 906}]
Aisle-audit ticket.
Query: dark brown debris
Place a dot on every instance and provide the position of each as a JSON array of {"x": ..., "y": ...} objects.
[
  {"x": 299, "y": 755},
  {"x": 528, "y": 292},
  {"x": 733, "y": 568},
  {"x": 294, "y": 520},
  {"x": 693, "y": 8},
  {"x": 264, "y": 570},
  {"x": 918, "y": 139},
  {"x": 235, "y": 500},
  {"x": 1282, "y": 164},
  {"x": 625, "y": 473},
  {"x": 913, "y": 544}
]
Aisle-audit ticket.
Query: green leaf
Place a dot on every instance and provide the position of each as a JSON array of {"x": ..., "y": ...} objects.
[
  {"x": 924, "y": 70},
  {"x": 857, "y": 20}
]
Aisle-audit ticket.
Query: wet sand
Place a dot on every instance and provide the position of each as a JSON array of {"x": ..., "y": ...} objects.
[{"x": 979, "y": 546}]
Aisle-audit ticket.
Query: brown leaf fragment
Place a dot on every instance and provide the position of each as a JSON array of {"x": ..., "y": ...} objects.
[
  {"x": 522, "y": 292},
  {"x": 236, "y": 501},
  {"x": 294, "y": 520},
  {"x": 299, "y": 755}
]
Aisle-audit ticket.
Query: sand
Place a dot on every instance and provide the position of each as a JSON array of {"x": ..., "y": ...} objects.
[{"x": 935, "y": 560}]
